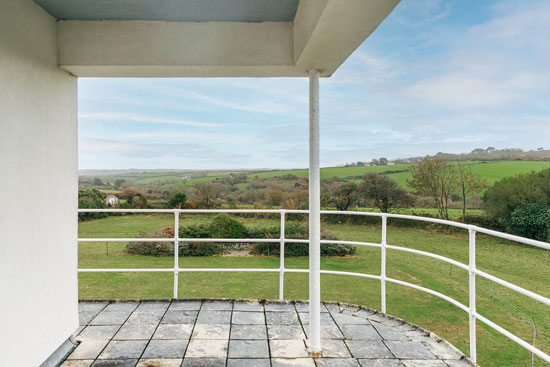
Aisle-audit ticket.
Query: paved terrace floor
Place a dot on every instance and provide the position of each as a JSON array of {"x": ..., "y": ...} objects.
[{"x": 248, "y": 334}]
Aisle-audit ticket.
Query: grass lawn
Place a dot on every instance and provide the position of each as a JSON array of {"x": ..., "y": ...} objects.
[{"x": 524, "y": 266}]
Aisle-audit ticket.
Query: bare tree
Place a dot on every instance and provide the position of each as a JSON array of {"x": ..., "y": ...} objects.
[
  {"x": 207, "y": 193},
  {"x": 437, "y": 178},
  {"x": 469, "y": 183},
  {"x": 343, "y": 195},
  {"x": 383, "y": 192}
]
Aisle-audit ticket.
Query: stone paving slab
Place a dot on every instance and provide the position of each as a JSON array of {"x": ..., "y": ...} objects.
[
  {"x": 163, "y": 362},
  {"x": 249, "y": 333}
]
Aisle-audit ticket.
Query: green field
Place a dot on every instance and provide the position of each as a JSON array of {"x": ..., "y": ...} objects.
[
  {"x": 491, "y": 171},
  {"x": 340, "y": 172},
  {"x": 524, "y": 266}
]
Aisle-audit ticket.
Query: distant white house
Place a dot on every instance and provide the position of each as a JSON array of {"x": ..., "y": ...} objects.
[{"x": 185, "y": 178}]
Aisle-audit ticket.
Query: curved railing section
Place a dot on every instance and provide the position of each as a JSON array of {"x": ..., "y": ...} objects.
[{"x": 470, "y": 267}]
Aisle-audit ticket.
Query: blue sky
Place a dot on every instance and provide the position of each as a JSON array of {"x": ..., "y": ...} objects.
[{"x": 437, "y": 75}]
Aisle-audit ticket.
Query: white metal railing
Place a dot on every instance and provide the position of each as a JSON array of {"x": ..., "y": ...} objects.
[{"x": 470, "y": 267}]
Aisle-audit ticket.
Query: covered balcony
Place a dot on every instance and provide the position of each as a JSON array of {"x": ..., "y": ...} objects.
[{"x": 45, "y": 45}]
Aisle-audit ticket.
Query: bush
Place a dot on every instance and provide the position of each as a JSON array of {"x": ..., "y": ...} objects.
[
  {"x": 91, "y": 199},
  {"x": 224, "y": 226},
  {"x": 531, "y": 221},
  {"x": 167, "y": 248},
  {"x": 153, "y": 248},
  {"x": 501, "y": 199},
  {"x": 198, "y": 248},
  {"x": 299, "y": 231}
]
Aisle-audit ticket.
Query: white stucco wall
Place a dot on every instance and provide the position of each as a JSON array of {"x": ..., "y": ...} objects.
[{"x": 38, "y": 188}]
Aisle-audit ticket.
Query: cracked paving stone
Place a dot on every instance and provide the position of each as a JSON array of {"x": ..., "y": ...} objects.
[
  {"x": 288, "y": 349},
  {"x": 211, "y": 331},
  {"x": 123, "y": 349},
  {"x": 135, "y": 332},
  {"x": 380, "y": 363},
  {"x": 203, "y": 362},
  {"x": 368, "y": 349},
  {"x": 333, "y": 348},
  {"x": 102, "y": 332},
  {"x": 248, "y": 349},
  {"x": 337, "y": 362},
  {"x": 179, "y": 317},
  {"x": 115, "y": 363},
  {"x": 173, "y": 331},
  {"x": 424, "y": 363},
  {"x": 248, "y": 363},
  {"x": 88, "y": 349},
  {"x": 296, "y": 362},
  {"x": 248, "y": 332},
  {"x": 285, "y": 332},
  {"x": 327, "y": 332},
  {"x": 409, "y": 350},
  {"x": 248, "y": 318},
  {"x": 441, "y": 350},
  {"x": 214, "y": 317},
  {"x": 390, "y": 332},
  {"x": 165, "y": 349},
  {"x": 360, "y": 332},
  {"x": 207, "y": 349},
  {"x": 159, "y": 363},
  {"x": 281, "y": 318},
  {"x": 248, "y": 306}
]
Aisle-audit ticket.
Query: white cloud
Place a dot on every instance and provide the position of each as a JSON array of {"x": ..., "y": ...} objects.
[{"x": 133, "y": 118}]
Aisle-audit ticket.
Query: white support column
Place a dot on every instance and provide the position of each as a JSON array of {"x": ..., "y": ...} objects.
[{"x": 314, "y": 217}]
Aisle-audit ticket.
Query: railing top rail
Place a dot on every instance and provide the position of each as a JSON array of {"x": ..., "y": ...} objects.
[{"x": 506, "y": 236}]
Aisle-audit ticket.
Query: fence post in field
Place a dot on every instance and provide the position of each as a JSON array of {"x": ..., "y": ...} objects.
[
  {"x": 176, "y": 250},
  {"x": 472, "y": 287},
  {"x": 282, "y": 255}
]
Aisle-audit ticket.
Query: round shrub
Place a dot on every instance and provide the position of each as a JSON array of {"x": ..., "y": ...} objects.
[
  {"x": 224, "y": 226},
  {"x": 531, "y": 221}
]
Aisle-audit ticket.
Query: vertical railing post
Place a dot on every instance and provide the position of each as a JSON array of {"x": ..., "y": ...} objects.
[
  {"x": 472, "y": 289},
  {"x": 176, "y": 250},
  {"x": 383, "y": 263},
  {"x": 282, "y": 254},
  {"x": 314, "y": 217}
]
